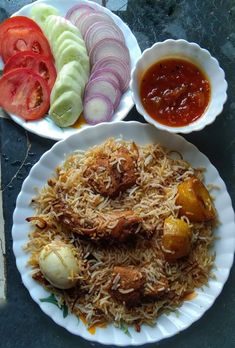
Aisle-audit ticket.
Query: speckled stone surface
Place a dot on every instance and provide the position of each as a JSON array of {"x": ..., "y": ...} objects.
[{"x": 212, "y": 25}]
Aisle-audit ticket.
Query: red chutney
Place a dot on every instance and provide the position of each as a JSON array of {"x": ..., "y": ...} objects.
[{"x": 174, "y": 92}]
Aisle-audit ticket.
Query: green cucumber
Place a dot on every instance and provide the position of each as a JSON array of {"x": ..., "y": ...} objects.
[
  {"x": 73, "y": 53},
  {"x": 74, "y": 68},
  {"x": 69, "y": 42},
  {"x": 62, "y": 85},
  {"x": 76, "y": 72},
  {"x": 69, "y": 78},
  {"x": 40, "y": 12},
  {"x": 67, "y": 35},
  {"x": 66, "y": 109},
  {"x": 56, "y": 25}
]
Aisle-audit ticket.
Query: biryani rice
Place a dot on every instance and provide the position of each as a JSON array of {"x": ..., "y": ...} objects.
[{"x": 153, "y": 198}]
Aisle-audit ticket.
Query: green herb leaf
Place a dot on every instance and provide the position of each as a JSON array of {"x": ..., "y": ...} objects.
[
  {"x": 124, "y": 328},
  {"x": 51, "y": 299},
  {"x": 177, "y": 313},
  {"x": 65, "y": 310}
]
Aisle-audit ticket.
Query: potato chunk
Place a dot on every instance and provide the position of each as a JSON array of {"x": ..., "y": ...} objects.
[
  {"x": 195, "y": 201},
  {"x": 176, "y": 240}
]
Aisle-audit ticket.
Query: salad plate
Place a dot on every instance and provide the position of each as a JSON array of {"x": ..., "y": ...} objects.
[
  {"x": 223, "y": 247},
  {"x": 45, "y": 127}
]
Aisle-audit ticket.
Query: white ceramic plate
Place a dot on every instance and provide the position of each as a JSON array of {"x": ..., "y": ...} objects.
[
  {"x": 46, "y": 127},
  {"x": 190, "y": 311}
]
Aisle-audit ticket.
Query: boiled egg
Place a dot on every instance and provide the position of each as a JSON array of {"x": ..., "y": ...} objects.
[{"x": 59, "y": 264}]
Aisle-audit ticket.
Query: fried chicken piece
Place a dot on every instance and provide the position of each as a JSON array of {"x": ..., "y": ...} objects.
[
  {"x": 131, "y": 286},
  {"x": 127, "y": 285},
  {"x": 156, "y": 290},
  {"x": 127, "y": 224},
  {"x": 128, "y": 169},
  {"x": 114, "y": 226},
  {"x": 103, "y": 177},
  {"x": 108, "y": 178},
  {"x": 156, "y": 283}
]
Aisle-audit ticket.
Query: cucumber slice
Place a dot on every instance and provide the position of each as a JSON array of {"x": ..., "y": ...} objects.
[
  {"x": 67, "y": 35},
  {"x": 68, "y": 43},
  {"x": 66, "y": 109},
  {"x": 64, "y": 84},
  {"x": 76, "y": 72},
  {"x": 69, "y": 79},
  {"x": 73, "y": 52},
  {"x": 56, "y": 25},
  {"x": 82, "y": 73},
  {"x": 40, "y": 12}
]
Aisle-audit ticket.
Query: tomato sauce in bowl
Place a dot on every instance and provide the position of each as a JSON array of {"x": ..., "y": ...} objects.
[{"x": 175, "y": 92}]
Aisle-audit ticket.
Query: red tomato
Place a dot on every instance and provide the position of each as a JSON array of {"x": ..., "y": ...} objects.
[
  {"x": 39, "y": 63},
  {"x": 24, "y": 93},
  {"x": 23, "y": 39},
  {"x": 17, "y": 22}
]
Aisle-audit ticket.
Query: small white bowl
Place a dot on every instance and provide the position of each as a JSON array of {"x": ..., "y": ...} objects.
[{"x": 198, "y": 56}]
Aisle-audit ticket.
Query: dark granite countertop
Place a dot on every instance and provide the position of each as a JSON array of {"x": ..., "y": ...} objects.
[{"x": 212, "y": 25}]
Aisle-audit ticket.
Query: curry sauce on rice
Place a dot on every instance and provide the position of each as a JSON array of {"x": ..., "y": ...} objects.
[{"x": 122, "y": 233}]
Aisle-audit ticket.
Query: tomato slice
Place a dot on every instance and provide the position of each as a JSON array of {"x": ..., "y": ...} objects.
[
  {"x": 39, "y": 63},
  {"x": 17, "y": 22},
  {"x": 24, "y": 39},
  {"x": 24, "y": 93}
]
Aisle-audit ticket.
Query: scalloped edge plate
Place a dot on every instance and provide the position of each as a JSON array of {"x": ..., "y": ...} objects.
[
  {"x": 46, "y": 127},
  {"x": 190, "y": 311}
]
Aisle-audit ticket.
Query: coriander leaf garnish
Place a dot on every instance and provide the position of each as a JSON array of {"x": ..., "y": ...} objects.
[
  {"x": 124, "y": 328},
  {"x": 51, "y": 299},
  {"x": 177, "y": 313},
  {"x": 65, "y": 310}
]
